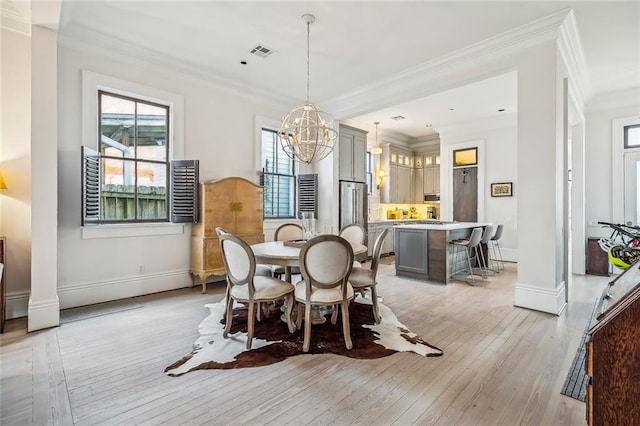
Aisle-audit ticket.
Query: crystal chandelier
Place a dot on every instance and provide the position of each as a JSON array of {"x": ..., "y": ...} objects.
[
  {"x": 306, "y": 132},
  {"x": 376, "y": 150}
]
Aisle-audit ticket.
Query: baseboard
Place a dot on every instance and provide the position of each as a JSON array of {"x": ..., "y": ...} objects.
[
  {"x": 540, "y": 299},
  {"x": 43, "y": 314},
  {"x": 137, "y": 285},
  {"x": 508, "y": 254},
  {"x": 17, "y": 305}
]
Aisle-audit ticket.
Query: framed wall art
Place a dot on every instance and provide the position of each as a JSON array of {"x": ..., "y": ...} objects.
[{"x": 502, "y": 189}]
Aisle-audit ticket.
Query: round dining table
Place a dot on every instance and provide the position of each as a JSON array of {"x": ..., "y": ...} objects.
[{"x": 276, "y": 253}]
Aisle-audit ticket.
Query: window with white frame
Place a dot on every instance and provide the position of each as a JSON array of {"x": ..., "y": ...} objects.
[
  {"x": 131, "y": 176},
  {"x": 279, "y": 174}
]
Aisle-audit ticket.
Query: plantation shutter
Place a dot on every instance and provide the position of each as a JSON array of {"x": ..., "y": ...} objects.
[
  {"x": 308, "y": 194},
  {"x": 90, "y": 186},
  {"x": 184, "y": 191}
]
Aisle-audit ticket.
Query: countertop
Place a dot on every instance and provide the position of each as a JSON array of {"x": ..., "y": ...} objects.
[
  {"x": 442, "y": 226},
  {"x": 407, "y": 221}
]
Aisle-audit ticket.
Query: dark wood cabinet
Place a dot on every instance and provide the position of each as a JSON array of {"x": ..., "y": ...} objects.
[
  {"x": 597, "y": 260},
  {"x": 613, "y": 353}
]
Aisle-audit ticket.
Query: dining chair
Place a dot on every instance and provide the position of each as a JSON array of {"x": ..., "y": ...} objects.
[
  {"x": 244, "y": 286},
  {"x": 325, "y": 263},
  {"x": 363, "y": 278},
  {"x": 284, "y": 232},
  {"x": 469, "y": 245},
  {"x": 355, "y": 234}
]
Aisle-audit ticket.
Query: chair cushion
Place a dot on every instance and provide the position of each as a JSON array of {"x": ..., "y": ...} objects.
[
  {"x": 266, "y": 288},
  {"x": 357, "y": 264},
  {"x": 263, "y": 270},
  {"x": 321, "y": 295},
  {"x": 361, "y": 277}
]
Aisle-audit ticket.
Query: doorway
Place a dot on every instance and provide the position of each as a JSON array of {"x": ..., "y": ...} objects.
[{"x": 465, "y": 194}]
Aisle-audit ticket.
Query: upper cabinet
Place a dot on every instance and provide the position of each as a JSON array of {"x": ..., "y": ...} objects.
[
  {"x": 398, "y": 187},
  {"x": 352, "y": 154}
]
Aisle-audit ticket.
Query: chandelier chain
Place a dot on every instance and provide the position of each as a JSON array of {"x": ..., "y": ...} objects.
[{"x": 308, "y": 32}]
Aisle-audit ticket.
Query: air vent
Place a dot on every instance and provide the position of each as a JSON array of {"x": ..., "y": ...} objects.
[
  {"x": 262, "y": 51},
  {"x": 398, "y": 117}
]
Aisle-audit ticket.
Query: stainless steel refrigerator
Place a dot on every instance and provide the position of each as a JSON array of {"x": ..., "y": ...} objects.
[{"x": 353, "y": 203}]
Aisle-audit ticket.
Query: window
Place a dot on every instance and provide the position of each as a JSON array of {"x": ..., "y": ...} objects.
[
  {"x": 465, "y": 157},
  {"x": 632, "y": 136},
  {"x": 279, "y": 177},
  {"x": 129, "y": 175}
]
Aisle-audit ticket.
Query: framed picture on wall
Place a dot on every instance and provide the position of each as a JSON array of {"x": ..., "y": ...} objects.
[{"x": 502, "y": 189}]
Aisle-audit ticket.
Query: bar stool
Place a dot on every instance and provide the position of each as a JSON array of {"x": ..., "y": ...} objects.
[
  {"x": 495, "y": 240},
  {"x": 470, "y": 244},
  {"x": 486, "y": 237}
]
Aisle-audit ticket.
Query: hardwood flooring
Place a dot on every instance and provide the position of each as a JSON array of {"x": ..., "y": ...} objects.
[{"x": 502, "y": 365}]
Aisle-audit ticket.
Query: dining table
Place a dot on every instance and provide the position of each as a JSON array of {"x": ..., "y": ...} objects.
[{"x": 277, "y": 253}]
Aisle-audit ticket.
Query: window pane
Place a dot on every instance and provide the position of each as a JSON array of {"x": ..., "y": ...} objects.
[
  {"x": 118, "y": 190},
  {"x": 279, "y": 177},
  {"x": 152, "y": 131},
  {"x": 152, "y": 191},
  {"x": 117, "y": 124},
  {"x": 632, "y": 136}
]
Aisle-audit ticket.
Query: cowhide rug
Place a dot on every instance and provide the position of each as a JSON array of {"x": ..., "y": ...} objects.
[{"x": 273, "y": 343}]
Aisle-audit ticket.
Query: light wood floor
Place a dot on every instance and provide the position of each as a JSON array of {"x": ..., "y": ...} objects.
[{"x": 501, "y": 366}]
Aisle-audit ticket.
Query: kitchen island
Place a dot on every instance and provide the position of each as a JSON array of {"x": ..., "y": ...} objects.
[{"x": 423, "y": 251}]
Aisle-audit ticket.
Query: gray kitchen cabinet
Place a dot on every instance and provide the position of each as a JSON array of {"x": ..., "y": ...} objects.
[
  {"x": 404, "y": 185},
  {"x": 372, "y": 235},
  {"x": 352, "y": 152},
  {"x": 431, "y": 182},
  {"x": 418, "y": 185}
]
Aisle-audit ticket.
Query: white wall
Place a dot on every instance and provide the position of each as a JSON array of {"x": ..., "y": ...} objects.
[
  {"x": 598, "y": 164},
  {"x": 500, "y": 166},
  {"x": 219, "y": 131},
  {"x": 15, "y": 159}
]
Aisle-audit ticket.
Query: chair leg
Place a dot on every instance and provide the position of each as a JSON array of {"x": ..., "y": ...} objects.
[
  {"x": 307, "y": 328},
  {"x": 289, "y": 301},
  {"x": 374, "y": 302},
  {"x": 345, "y": 326},
  {"x": 480, "y": 260},
  {"x": 229, "y": 315},
  {"x": 500, "y": 253},
  {"x": 334, "y": 315},
  {"x": 250, "y": 321},
  {"x": 259, "y": 313},
  {"x": 299, "y": 316},
  {"x": 473, "y": 280}
]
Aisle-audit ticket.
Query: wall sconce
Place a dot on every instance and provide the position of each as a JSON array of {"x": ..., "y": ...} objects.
[
  {"x": 380, "y": 177},
  {"x": 3, "y": 185}
]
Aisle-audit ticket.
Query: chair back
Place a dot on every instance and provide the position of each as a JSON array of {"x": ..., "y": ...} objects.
[
  {"x": 288, "y": 231},
  {"x": 326, "y": 262},
  {"x": 354, "y": 233},
  {"x": 239, "y": 261},
  {"x": 474, "y": 239},
  {"x": 377, "y": 250},
  {"x": 488, "y": 233},
  {"x": 498, "y": 234}
]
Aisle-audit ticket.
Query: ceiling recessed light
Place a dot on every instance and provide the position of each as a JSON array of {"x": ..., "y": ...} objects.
[
  {"x": 243, "y": 62},
  {"x": 501, "y": 110},
  {"x": 398, "y": 117},
  {"x": 429, "y": 125},
  {"x": 450, "y": 109}
]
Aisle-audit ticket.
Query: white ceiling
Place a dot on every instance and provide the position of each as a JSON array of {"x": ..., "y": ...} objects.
[{"x": 356, "y": 44}]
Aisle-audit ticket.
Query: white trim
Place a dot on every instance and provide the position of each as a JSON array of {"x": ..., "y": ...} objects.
[
  {"x": 17, "y": 305},
  {"x": 118, "y": 230},
  {"x": 43, "y": 314},
  {"x": 102, "y": 291},
  {"x": 540, "y": 299},
  {"x": 617, "y": 166}
]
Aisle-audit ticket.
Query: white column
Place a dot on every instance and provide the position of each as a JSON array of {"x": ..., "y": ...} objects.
[
  {"x": 540, "y": 183},
  {"x": 44, "y": 307}
]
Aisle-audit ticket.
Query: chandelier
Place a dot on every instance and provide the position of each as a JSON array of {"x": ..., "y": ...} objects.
[
  {"x": 306, "y": 132},
  {"x": 376, "y": 150}
]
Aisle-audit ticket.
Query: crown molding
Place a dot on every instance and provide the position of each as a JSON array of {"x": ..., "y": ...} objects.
[
  {"x": 473, "y": 128},
  {"x": 14, "y": 19},
  {"x": 95, "y": 43},
  {"x": 420, "y": 81},
  {"x": 571, "y": 50}
]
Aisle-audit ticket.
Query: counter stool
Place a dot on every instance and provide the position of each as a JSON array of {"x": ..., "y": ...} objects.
[
  {"x": 495, "y": 244},
  {"x": 470, "y": 244},
  {"x": 486, "y": 237}
]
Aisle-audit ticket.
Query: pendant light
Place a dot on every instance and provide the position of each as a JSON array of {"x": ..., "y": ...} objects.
[
  {"x": 376, "y": 150},
  {"x": 306, "y": 132}
]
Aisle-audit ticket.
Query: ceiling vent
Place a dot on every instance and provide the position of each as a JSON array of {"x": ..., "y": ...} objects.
[
  {"x": 398, "y": 117},
  {"x": 262, "y": 51}
]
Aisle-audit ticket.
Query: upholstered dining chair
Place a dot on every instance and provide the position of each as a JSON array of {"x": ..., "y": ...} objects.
[
  {"x": 355, "y": 234},
  {"x": 243, "y": 285},
  {"x": 363, "y": 278},
  {"x": 325, "y": 263},
  {"x": 286, "y": 231}
]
